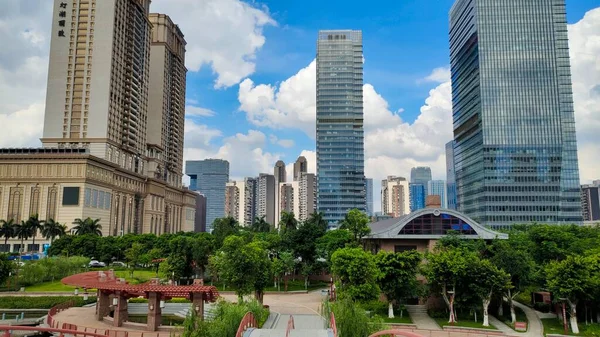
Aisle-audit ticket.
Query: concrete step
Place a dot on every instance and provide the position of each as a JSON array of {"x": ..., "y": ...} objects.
[{"x": 416, "y": 308}]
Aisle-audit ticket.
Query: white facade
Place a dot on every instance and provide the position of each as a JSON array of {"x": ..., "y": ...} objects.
[{"x": 395, "y": 196}]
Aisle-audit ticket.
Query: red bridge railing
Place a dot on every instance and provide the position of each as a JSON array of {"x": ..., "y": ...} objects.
[
  {"x": 290, "y": 326},
  {"x": 332, "y": 325},
  {"x": 249, "y": 321}
]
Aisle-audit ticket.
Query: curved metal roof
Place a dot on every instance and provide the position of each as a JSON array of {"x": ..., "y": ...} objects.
[{"x": 390, "y": 228}]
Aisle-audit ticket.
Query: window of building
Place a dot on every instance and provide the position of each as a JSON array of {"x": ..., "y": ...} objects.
[
  {"x": 34, "y": 209},
  {"x": 403, "y": 248},
  {"x": 437, "y": 225},
  {"x": 14, "y": 204},
  {"x": 70, "y": 196}
]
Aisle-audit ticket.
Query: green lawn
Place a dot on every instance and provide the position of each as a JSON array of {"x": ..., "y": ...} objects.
[
  {"x": 139, "y": 276},
  {"x": 50, "y": 286},
  {"x": 463, "y": 323},
  {"x": 292, "y": 286},
  {"x": 555, "y": 326}
]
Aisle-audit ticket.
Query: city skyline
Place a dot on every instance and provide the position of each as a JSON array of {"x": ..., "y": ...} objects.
[{"x": 273, "y": 136}]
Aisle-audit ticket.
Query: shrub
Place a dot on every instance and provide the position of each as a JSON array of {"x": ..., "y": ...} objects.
[
  {"x": 40, "y": 302},
  {"x": 351, "y": 318},
  {"x": 51, "y": 269}
]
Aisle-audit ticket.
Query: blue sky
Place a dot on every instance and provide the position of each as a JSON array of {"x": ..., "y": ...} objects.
[{"x": 403, "y": 42}]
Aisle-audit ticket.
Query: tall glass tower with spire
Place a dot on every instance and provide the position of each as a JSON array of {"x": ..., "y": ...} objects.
[
  {"x": 515, "y": 150},
  {"x": 340, "y": 140}
]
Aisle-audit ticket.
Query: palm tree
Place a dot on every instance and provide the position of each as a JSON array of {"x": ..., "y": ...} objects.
[
  {"x": 87, "y": 226},
  {"x": 34, "y": 224},
  {"x": 260, "y": 225},
  {"x": 23, "y": 232},
  {"x": 288, "y": 221},
  {"x": 7, "y": 230},
  {"x": 53, "y": 229}
]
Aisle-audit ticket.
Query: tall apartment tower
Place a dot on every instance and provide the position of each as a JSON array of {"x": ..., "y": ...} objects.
[
  {"x": 300, "y": 166},
  {"x": 280, "y": 177},
  {"x": 515, "y": 149},
  {"x": 233, "y": 197},
  {"x": 450, "y": 176},
  {"x": 590, "y": 201},
  {"x": 395, "y": 199},
  {"x": 98, "y": 80},
  {"x": 420, "y": 175},
  {"x": 209, "y": 177},
  {"x": 308, "y": 196},
  {"x": 340, "y": 139},
  {"x": 289, "y": 199},
  {"x": 166, "y": 109},
  {"x": 265, "y": 200},
  {"x": 369, "y": 191}
]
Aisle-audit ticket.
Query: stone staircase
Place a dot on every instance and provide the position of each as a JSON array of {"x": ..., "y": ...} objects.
[{"x": 419, "y": 316}]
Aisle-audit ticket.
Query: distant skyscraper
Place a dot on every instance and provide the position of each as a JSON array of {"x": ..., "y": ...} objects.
[
  {"x": 265, "y": 201},
  {"x": 420, "y": 175},
  {"x": 438, "y": 187},
  {"x": 369, "y": 190},
  {"x": 395, "y": 196},
  {"x": 590, "y": 201},
  {"x": 210, "y": 177},
  {"x": 308, "y": 195},
  {"x": 232, "y": 200},
  {"x": 450, "y": 176},
  {"x": 200, "y": 218},
  {"x": 516, "y": 152},
  {"x": 300, "y": 166},
  {"x": 340, "y": 140},
  {"x": 417, "y": 197},
  {"x": 280, "y": 177}
]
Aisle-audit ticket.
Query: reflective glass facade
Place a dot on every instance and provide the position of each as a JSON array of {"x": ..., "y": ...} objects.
[
  {"x": 340, "y": 140},
  {"x": 438, "y": 187},
  {"x": 515, "y": 152},
  {"x": 369, "y": 189},
  {"x": 417, "y": 197},
  {"x": 209, "y": 177},
  {"x": 420, "y": 175},
  {"x": 450, "y": 176}
]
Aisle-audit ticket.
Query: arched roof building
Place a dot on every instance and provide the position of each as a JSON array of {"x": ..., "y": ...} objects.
[{"x": 421, "y": 229}]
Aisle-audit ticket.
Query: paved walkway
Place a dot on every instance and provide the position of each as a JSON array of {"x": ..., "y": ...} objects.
[
  {"x": 534, "y": 328},
  {"x": 420, "y": 318}
]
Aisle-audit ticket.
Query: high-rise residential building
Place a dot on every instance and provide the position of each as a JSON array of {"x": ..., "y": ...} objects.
[
  {"x": 289, "y": 199},
  {"x": 308, "y": 196},
  {"x": 395, "y": 196},
  {"x": 265, "y": 200},
  {"x": 418, "y": 194},
  {"x": 280, "y": 177},
  {"x": 340, "y": 139},
  {"x": 99, "y": 157},
  {"x": 250, "y": 197},
  {"x": 515, "y": 149},
  {"x": 369, "y": 191},
  {"x": 300, "y": 166},
  {"x": 590, "y": 201},
  {"x": 438, "y": 187},
  {"x": 450, "y": 176},
  {"x": 233, "y": 197},
  {"x": 166, "y": 100},
  {"x": 420, "y": 175},
  {"x": 209, "y": 177}
]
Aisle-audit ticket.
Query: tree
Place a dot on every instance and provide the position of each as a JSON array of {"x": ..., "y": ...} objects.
[
  {"x": 23, "y": 232},
  {"x": 444, "y": 270},
  {"x": 7, "y": 230},
  {"x": 224, "y": 227},
  {"x": 510, "y": 256},
  {"x": 572, "y": 280},
  {"x": 6, "y": 267},
  {"x": 34, "y": 224},
  {"x": 356, "y": 222},
  {"x": 53, "y": 229},
  {"x": 332, "y": 241},
  {"x": 133, "y": 255},
  {"x": 87, "y": 226},
  {"x": 202, "y": 247},
  {"x": 288, "y": 221},
  {"x": 398, "y": 275},
  {"x": 283, "y": 265},
  {"x": 356, "y": 274},
  {"x": 488, "y": 279},
  {"x": 260, "y": 225}
]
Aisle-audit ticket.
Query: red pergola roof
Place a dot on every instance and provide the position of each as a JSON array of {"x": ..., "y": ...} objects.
[{"x": 107, "y": 281}]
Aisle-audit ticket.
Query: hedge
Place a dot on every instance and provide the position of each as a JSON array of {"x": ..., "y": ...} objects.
[{"x": 40, "y": 302}]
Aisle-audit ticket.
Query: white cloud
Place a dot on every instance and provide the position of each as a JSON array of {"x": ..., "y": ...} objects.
[
  {"x": 191, "y": 110},
  {"x": 225, "y": 34},
  {"x": 438, "y": 75},
  {"x": 584, "y": 44},
  {"x": 291, "y": 105},
  {"x": 286, "y": 143}
]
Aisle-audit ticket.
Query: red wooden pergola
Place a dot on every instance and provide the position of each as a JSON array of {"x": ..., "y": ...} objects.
[{"x": 114, "y": 292}]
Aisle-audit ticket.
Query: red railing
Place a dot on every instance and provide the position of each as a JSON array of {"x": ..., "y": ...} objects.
[
  {"x": 395, "y": 332},
  {"x": 332, "y": 325},
  {"x": 56, "y": 309},
  {"x": 247, "y": 322},
  {"x": 290, "y": 326},
  {"x": 8, "y": 328}
]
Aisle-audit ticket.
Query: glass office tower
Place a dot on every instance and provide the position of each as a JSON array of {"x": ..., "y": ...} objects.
[
  {"x": 369, "y": 191},
  {"x": 515, "y": 154},
  {"x": 209, "y": 177},
  {"x": 340, "y": 141}
]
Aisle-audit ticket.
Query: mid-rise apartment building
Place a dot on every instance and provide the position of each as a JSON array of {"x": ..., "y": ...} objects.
[{"x": 395, "y": 199}]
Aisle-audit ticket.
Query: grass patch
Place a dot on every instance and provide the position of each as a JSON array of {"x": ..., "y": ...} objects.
[
  {"x": 405, "y": 319},
  {"x": 55, "y": 286},
  {"x": 296, "y": 285},
  {"x": 467, "y": 324},
  {"x": 139, "y": 276},
  {"x": 40, "y": 302}
]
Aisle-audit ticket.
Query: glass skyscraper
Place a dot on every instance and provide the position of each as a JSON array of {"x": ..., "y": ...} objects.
[
  {"x": 438, "y": 187},
  {"x": 209, "y": 177},
  {"x": 420, "y": 175},
  {"x": 417, "y": 193},
  {"x": 340, "y": 140},
  {"x": 515, "y": 152},
  {"x": 369, "y": 191},
  {"x": 450, "y": 176}
]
